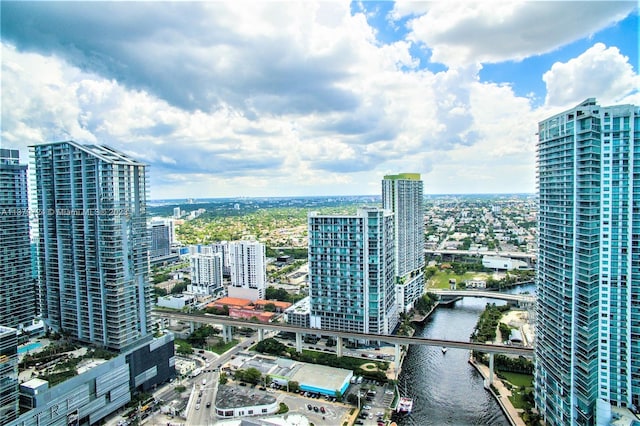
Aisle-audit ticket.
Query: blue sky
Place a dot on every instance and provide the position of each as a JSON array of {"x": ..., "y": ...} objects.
[{"x": 271, "y": 98}]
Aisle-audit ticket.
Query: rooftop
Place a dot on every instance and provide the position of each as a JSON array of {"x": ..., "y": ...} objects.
[
  {"x": 321, "y": 376},
  {"x": 231, "y": 301},
  {"x": 229, "y": 397}
]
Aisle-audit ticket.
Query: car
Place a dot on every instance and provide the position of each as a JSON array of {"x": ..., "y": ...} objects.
[
  {"x": 359, "y": 422},
  {"x": 322, "y": 410},
  {"x": 197, "y": 406},
  {"x": 243, "y": 384},
  {"x": 315, "y": 408},
  {"x": 309, "y": 407},
  {"x": 262, "y": 388},
  {"x": 367, "y": 407},
  {"x": 208, "y": 404}
]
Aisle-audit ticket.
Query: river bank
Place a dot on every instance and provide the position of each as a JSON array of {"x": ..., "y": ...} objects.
[
  {"x": 436, "y": 380},
  {"x": 500, "y": 392}
]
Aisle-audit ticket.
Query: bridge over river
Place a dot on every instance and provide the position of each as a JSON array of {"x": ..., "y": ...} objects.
[
  {"x": 520, "y": 298},
  {"x": 227, "y": 324}
]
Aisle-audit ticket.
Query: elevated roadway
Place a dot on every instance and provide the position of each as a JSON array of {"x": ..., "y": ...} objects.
[
  {"x": 526, "y": 298},
  {"x": 528, "y": 257},
  {"x": 393, "y": 339}
]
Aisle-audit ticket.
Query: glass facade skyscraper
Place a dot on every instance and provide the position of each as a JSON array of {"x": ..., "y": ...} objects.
[
  {"x": 588, "y": 276},
  {"x": 17, "y": 287},
  {"x": 351, "y": 272},
  {"x": 9, "y": 401},
  {"x": 93, "y": 247},
  {"x": 403, "y": 195}
]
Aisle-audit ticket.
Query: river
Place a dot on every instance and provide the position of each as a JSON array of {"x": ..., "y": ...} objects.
[{"x": 445, "y": 388}]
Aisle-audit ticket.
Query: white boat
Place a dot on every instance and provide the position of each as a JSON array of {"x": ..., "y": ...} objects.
[{"x": 405, "y": 405}]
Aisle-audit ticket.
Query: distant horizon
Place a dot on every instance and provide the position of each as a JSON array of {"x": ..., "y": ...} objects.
[{"x": 240, "y": 197}]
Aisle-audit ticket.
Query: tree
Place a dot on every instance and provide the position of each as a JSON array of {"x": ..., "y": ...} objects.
[
  {"x": 270, "y": 307},
  {"x": 250, "y": 375},
  {"x": 223, "y": 378},
  {"x": 270, "y": 346},
  {"x": 179, "y": 288},
  {"x": 294, "y": 386},
  {"x": 184, "y": 347}
]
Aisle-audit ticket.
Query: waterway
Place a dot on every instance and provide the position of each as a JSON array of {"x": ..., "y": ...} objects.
[{"x": 445, "y": 388}]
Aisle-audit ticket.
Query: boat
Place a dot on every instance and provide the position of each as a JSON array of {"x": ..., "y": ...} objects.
[
  {"x": 444, "y": 349},
  {"x": 405, "y": 405}
]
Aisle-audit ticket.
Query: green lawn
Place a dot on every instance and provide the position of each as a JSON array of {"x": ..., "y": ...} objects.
[
  {"x": 518, "y": 379},
  {"x": 517, "y": 399},
  {"x": 441, "y": 278},
  {"x": 222, "y": 348}
]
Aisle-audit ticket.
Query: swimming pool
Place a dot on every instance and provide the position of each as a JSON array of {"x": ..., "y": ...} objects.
[{"x": 31, "y": 346}]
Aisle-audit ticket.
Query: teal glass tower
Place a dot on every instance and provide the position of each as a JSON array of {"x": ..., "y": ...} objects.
[
  {"x": 93, "y": 248},
  {"x": 351, "y": 272},
  {"x": 588, "y": 276},
  {"x": 403, "y": 195},
  {"x": 9, "y": 397},
  {"x": 17, "y": 287}
]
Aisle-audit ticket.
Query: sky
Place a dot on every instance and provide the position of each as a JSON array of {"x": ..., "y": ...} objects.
[{"x": 272, "y": 98}]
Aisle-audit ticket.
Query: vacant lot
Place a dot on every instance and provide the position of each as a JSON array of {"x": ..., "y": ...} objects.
[{"x": 441, "y": 278}]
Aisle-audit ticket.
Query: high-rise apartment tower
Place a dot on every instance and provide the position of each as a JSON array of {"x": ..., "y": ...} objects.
[
  {"x": 9, "y": 397},
  {"x": 17, "y": 287},
  {"x": 248, "y": 264},
  {"x": 206, "y": 271},
  {"x": 93, "y": 243},
  {"x": 588, "y": 274},
  {"x": 351, "y": 272},
  {"x": 403, "y": 195}
]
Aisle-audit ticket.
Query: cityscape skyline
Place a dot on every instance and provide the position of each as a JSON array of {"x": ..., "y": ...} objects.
[{"x": 313, "y": 98}]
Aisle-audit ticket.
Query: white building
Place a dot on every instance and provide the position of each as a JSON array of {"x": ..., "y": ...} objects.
[
  {"x": 503, "y": 263},
  {"x": 176, "y": 302},
  {"x": 206, "y": 272},
  {"x": 248, "y": 264}
]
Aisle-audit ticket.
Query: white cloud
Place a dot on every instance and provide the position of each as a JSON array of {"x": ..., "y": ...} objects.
[
  {"x": 301, "y": 100},
  {"x": 466, "y": 32},
  {"x": 601, "y": 72}
]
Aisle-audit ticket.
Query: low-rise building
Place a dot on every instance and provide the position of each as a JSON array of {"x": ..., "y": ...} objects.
[
  {"x": 237, "y": 401},
  {"x": 299, "y": 314},
  {"x": 278, "y": 305},
  {"x": 503, "y": 263},
  {"x": 100, "y": 390},
  {"x": 176, "y": 302}
]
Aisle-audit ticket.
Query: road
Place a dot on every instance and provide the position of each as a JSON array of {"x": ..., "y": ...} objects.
[{"x": 393, "y": 339}]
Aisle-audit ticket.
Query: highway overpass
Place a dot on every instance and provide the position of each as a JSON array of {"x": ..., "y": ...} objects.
[
  {"x": 530, "y": 258},
  {"x": 393, "y": 339},
  {"x": 526, "y": 298}
]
